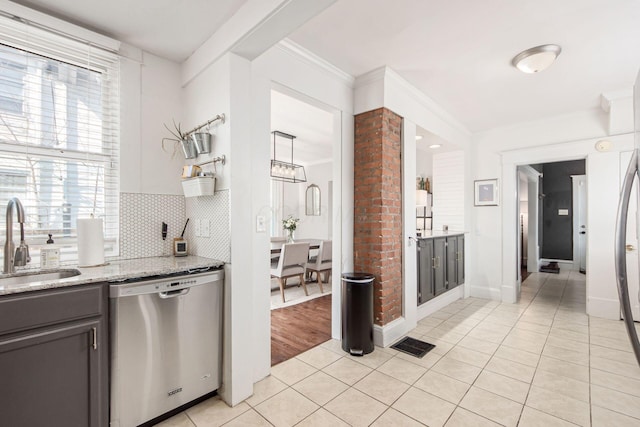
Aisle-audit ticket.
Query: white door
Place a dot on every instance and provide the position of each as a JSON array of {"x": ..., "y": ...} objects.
[
  {"x": 633, "y": 274},
  {"x": 580, "y": 222}
]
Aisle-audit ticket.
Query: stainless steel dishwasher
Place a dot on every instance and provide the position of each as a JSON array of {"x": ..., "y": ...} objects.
[{"x": 166, "y": 344}]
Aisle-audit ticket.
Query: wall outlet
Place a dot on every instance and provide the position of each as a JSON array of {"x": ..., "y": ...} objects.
[
  {"x": 204, "y": 228},
  {"x": 261, "y": 225},
  {"x": 198, "y": 226}
]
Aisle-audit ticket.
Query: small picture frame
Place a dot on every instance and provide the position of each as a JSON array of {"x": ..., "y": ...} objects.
[{"x": 486, "y": 192}]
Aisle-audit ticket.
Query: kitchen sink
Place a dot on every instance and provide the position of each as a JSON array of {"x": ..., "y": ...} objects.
[{"x": 38, "y": 276}]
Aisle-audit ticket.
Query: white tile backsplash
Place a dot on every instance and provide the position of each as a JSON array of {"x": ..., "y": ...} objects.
[
  {"x": 214, "y": 209},
  {"x": 141, "y": 217}
]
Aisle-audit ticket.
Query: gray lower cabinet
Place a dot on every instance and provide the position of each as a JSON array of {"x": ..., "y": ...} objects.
[
  {"x": 455, "y": 261},
  {"x": 425, "y": 270},
  {"x": 54, "y": 358},
  {"x": 440, "y": 265}
]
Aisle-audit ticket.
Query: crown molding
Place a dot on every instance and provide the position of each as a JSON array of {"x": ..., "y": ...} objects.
[
  {"x": 425, "y": 101},
  {"x": 375, "y": 75},
  {"x": 294, "y": 49},
  {"x": 388, "y": 79}
]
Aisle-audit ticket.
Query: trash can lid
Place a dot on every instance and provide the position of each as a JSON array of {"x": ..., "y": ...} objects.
[{"x": 358, "y": 277}]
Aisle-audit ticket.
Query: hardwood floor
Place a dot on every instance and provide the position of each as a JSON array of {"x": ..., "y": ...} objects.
[{"x": 298, "y": 328}]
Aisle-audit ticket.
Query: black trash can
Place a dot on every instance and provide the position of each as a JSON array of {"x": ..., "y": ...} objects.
[{"x": 357, "y": 313}]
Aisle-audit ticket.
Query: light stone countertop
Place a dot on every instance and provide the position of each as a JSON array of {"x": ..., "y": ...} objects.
[
  {"x": 113, "y": 271},
  {"x": 429, "y": 234}
]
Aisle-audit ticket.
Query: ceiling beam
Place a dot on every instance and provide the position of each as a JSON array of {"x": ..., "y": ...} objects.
[{"x": 254, "y": 28}]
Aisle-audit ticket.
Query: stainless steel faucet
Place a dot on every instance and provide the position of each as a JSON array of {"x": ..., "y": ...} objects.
[{"x": 22, "y": 252}]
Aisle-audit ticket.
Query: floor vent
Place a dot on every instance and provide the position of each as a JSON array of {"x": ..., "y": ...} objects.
[{"x": 413, "y": 347}]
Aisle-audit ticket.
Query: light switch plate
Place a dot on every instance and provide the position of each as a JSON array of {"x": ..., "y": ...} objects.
[
  {"x": 198, "y": 228},
  {"x": 204, "y": 228},
  {"x": 261, "y": 226}
]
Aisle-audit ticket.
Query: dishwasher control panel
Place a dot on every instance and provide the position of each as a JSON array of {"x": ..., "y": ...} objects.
[{"x": 168, "y": 285}]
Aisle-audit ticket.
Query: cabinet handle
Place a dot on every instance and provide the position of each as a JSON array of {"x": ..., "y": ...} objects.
[
  {"x": 433, "y": 263},
  {"x": 94, "y": 332}
]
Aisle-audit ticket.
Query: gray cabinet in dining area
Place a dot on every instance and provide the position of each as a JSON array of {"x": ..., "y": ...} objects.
[{"x": 440, "y": 263}]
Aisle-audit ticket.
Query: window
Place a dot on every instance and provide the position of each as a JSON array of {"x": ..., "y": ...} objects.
[{"x": 59, "y": 134}]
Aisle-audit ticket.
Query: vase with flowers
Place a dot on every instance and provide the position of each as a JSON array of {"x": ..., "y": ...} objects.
[{"x": 290, "y": 224}]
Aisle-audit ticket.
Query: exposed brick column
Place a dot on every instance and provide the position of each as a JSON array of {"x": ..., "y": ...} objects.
[{"x": 377, "y": 230}]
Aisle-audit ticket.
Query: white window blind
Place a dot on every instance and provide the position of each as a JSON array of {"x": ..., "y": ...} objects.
[{"x": 59, "y": 133}]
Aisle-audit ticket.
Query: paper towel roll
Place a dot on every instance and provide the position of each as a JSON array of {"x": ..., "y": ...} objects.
[{"x": 90, "y": 242}]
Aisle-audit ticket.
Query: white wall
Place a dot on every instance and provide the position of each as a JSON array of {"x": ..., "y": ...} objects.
[
  {"x": 150, "y": 97},
  {"x": 298, "y": 73},
  {"x": 385, "y": 88},
  {"x": 449, "y": 191},
  {"x": 498, "y": 152},
  {"x": 291, "y": 205},
  {"x": 241, "y": 89},
  {"x": 424, "y": 164},
  {"x": 206, "y": 96},
  {"x": 315, "y": 227}
]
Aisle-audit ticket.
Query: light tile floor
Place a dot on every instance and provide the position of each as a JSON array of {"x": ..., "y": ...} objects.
[{"x": 540, "y": 362}]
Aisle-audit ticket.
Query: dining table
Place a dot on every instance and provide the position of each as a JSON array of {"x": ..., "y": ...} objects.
[{"x": 276, "y": 246}]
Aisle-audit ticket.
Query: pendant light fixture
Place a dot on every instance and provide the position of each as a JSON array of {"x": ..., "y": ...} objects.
[
  {"x": 286, "y": 171},
  {"x": 537, "y": 58}
]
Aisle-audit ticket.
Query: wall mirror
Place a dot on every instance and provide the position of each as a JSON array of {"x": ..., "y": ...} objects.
[{"x": 312, "y": 200}]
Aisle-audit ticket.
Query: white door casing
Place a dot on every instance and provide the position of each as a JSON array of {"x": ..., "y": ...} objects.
[{"x": 579, "y": 202}]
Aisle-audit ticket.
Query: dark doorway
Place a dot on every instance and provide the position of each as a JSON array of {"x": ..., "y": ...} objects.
[{"x": 557, "y": 208}]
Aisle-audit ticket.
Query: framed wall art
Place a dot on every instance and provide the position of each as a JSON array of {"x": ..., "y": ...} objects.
[{"x": 486, "y": 192}]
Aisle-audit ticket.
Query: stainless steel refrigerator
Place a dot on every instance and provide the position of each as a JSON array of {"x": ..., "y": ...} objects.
[{"x": 621, "y": 228}]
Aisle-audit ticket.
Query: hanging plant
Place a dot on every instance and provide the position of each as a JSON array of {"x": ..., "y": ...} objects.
[{"x": 181, "y": 139}]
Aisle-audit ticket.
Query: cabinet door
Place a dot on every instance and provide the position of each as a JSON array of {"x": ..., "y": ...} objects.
[
  {"x": 425, "y": 270},
  {"x": 460, "y": 259},
  {"x": 52, "y": 376},
  {"x": 452, "y": 267},
  {"x": 439, "y": 271}
]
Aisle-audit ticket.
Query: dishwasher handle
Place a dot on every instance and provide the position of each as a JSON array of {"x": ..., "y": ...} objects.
[{"x": 173, "y": 294}]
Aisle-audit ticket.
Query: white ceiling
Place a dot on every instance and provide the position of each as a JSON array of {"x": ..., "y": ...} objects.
[
  {"x": 429, "y": 138},
  {"x": 172, "y": 29},
  {"x": 312, "y": 127},
  {"x": 458, "y": 52}
]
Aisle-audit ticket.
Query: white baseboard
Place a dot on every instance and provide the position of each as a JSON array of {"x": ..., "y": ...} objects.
[
  {"x": 441, "y": 301},
  {"x": 508, "y": 294},
  {"x": 485, "y": 293},
  {"x": 603, "y": 307},
  {"x": 384, "y": 336}
]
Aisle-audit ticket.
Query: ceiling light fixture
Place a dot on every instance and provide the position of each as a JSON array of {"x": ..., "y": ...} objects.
[
  {"x": 603, "y": 145},
  {"x": 418, "y": 137},
  {"x": 537, "y": 58},
  {"x": 435, "y": 146},
  {"x": 286, "y": 171}
]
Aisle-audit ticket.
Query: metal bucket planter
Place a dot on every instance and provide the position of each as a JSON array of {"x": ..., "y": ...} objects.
[
  {"x": 188, "y": 148},
  {"x": 202, "y": 141}
]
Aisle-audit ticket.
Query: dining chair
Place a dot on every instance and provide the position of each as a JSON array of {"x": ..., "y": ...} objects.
[
  {"x": 292, "y": 263},
  {"x": 281, "y": 240},
  {"x": 321, "y": 263}
]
